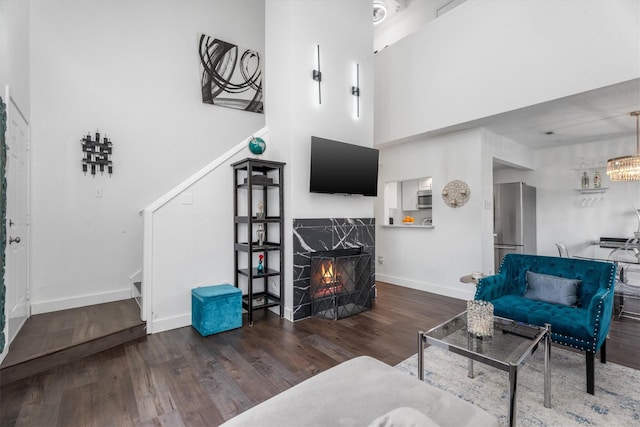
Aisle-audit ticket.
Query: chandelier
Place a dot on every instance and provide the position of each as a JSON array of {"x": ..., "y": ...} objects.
[{"x": 627, "y": 168}]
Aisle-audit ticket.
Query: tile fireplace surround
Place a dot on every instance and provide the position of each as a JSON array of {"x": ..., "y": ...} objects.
[{"x": 324, "y": 234}]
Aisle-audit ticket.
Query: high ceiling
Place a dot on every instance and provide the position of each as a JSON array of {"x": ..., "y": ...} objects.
[{"x": 596, "y": 115}]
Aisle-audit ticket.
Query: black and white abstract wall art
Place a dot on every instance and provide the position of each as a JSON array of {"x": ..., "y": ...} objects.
[{"x": 231, "y": 76}]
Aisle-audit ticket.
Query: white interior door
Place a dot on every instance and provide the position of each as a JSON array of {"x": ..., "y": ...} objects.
[{"x": 17, "y": 259}]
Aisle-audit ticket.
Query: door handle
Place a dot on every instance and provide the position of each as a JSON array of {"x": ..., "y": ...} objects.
[{"x": 12, "y": 240}]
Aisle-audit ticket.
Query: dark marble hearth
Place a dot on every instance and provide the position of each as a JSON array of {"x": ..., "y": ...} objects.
[{"x": 324, "y": 234}]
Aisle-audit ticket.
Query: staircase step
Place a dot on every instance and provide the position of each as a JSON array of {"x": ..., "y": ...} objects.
[
  {"x": 53, "y": 339},
  {"x": 61, "y": 357}
]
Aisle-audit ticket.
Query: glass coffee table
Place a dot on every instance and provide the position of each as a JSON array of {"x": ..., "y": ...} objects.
[{"x": 511, "y": 344}]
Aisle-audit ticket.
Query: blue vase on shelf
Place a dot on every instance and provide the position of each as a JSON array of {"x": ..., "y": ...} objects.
[{"x": 260, "y": 266}]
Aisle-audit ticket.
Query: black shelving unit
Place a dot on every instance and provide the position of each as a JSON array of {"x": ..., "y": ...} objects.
[{"x": 256, "y": 181}]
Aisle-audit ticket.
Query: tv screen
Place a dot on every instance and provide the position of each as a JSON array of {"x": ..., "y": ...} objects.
[{"x": 338, "y": 167}]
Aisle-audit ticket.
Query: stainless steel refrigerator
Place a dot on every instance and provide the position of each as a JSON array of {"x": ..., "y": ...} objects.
[{"x": 514, "y": 220}]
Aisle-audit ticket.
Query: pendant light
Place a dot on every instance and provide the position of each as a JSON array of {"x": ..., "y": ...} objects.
[{"x": 627, "y": 168}]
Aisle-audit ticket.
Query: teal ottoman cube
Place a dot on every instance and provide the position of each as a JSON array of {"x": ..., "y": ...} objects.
[{"x": 216, "y": 308}]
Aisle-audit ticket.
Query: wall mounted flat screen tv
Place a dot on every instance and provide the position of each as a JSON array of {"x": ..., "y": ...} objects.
[{"x": 338, "y": 167}]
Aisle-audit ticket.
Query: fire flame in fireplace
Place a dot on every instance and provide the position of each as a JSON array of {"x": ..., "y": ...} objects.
[
  {"x": 327, "y": 272},
  {"x": 328, "y": 284}
]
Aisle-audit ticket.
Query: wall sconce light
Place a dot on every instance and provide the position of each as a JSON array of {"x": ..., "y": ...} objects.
[
  {"x": 317, "y": 75},
  {"x": 355, "y": 89},
  {"x": 97, "y": 154}
]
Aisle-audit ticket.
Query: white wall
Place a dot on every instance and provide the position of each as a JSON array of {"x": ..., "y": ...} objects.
[
  {"x": 462, "y": 240},
  {"x": 345, "y": 35},
  {"x": 191, "y": 244},
  {"x": 193, "y": 234},
  {"x": 511, "y": 54},
  {"x": 560, "y": 214},
  {"x": 415, "y": 15},
  {"x": 459, "y": 78},
  {"x": 129, "y": 69},
  {"x": 434, "y": 259},
  {"x": 14, "y": 52}
]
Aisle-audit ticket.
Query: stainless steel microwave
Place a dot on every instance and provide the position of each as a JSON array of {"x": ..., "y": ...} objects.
[{"x": 425, "y": 199}]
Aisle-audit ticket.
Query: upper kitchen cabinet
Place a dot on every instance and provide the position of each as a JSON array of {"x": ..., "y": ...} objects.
[
  {"x": 424, "y": 184},
  {"x": 410, "y": 195},
  {"x": 416, "y": 194}
]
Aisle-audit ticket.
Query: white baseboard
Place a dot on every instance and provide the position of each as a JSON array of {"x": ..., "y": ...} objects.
[
  {"x": 168, "y": 323},
  {"x": 288, "y": 314},
  {"x": 182, "y": 320},
  {"x": 38, "y": 307},
  {"x": 459, "y": 292}
]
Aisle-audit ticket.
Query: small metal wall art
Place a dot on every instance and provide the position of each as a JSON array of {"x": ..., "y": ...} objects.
[{"x": 97, "y": 154}]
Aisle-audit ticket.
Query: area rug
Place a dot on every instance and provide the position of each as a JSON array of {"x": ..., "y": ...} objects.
[{"x": 617, "y": 389}]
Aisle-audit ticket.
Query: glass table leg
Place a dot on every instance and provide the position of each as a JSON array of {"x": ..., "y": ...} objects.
[
  {"x": 421, "y": 356},
  {"x": 513, "y": 382},
  {"x": 547, "y": 366},
  {"x": 470, "y": 361}
]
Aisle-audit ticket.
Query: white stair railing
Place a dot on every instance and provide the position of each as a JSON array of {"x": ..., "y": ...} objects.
[{"x": 148, "y": 213}]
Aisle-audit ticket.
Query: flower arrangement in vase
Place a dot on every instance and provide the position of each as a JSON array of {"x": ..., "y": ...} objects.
[{"x": 260, "y": 266}]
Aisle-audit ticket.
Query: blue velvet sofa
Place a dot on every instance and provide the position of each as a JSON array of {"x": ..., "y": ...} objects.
[{"x": 581, "y": 321}]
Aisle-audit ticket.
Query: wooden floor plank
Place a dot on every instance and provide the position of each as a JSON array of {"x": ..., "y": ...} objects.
[{"x": 179, "y": 378}]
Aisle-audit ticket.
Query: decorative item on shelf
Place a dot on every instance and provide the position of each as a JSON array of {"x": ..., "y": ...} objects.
[
  {"x": 260, "y": 213},
  {"x": 260, "y": 266},
  {"x": 456, "y": 193},
  {"x": 259, "y": 180},
  {"x": 596, "y": 179},
  {"x": 261, "y": 234},
  {"x": 480, "y": 318},
  {"x": 585, "y": 181},
  {"x": 257, "y": 145},
  {"x": 97, "y": 154},
  {"x": 627, "y": 168}
]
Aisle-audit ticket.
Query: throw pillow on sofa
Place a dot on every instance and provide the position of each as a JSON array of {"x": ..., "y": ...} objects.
[
  {"x": 403, "y": 417},
  {"x": 553, "y": 289}
]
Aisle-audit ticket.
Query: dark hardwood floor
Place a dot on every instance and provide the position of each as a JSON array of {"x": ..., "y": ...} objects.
[{"x": 180, "y": 378}]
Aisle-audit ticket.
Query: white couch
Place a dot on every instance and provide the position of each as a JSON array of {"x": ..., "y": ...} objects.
[{"x": 363, "y": 392}]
